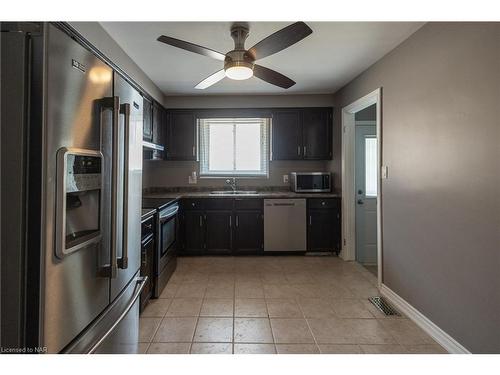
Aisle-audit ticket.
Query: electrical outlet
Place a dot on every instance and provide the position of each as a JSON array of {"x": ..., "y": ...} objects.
[
  {"x": 285, "y": 179},
  {"x": 192, "y": 179}
]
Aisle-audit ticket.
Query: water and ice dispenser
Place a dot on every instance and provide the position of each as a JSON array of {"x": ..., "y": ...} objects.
[{"x": 79, "y": 202}]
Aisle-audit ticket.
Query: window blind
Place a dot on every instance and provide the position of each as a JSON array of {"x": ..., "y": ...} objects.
[{"x": 234, "y": 147}]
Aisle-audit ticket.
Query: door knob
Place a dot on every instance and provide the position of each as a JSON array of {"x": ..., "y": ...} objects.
[
  {"x": 360, "y": 191},
  {"x": 360, "y": 201}
]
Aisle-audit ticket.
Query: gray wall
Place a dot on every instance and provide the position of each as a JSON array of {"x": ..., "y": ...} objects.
[
  {"x": 441, "y": 202},
  {"x": 95, "y": 34},
  {"x": 175, "y": 173},
  {"x": 248, "y": 101}
]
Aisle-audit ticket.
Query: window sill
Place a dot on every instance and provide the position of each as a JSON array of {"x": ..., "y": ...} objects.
[{"x": 240, "y": 177}]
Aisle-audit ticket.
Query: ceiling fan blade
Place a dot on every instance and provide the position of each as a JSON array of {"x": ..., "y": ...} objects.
[
  {"x": 272, "y": 77},
  {"x": 191, "y": 47},
  {"x": 211, "y": 80},
  {"x": 280, "y": 40}
]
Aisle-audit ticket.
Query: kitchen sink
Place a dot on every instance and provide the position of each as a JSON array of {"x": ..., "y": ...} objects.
[{"x": 233, "y": 192}]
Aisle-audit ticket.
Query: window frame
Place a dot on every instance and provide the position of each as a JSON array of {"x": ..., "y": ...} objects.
[{"x": 266, "y": 122}]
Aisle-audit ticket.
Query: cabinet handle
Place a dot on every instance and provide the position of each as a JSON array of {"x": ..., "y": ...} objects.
[
  {"x": 237, "y": 221},
  {"x": 201, "y": 221},
  {"x": 310, "y": 220},
  {"x": 305, "y": 150},
  {"x": 230, "y": 222},
  {"x": 194, "y": 151},
  {"x": 298, "y": 150}
]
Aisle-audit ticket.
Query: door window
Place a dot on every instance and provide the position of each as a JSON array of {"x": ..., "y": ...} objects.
[{"x": 371, "y": 167}]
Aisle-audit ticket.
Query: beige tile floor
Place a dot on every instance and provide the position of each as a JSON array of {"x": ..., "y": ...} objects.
[{"x": 287, "y": 304}]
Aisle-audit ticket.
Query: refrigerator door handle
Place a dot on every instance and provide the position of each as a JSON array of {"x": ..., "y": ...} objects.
[
  {"x": 114, "y": 189},
  {"x": 123, "y": 261},
  {"x": 113, "y": 103}
]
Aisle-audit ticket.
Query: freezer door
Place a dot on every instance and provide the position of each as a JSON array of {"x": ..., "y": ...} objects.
[
  {"x": 74, "y": 288},
  {"x": 129, "y": 189},
  {"x": 117, "y": 328}
]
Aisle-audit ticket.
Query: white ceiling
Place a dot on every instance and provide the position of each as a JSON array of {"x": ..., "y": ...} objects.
[{"x": 326, "y": 60}]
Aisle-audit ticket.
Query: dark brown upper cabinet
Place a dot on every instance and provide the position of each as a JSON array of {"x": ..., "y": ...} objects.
[
  {"x": 158, "y": 124},
  {"x": 317, "y": 134},
  {"x": 181, "y": 135},
  {"x": 302, "y": 134},
  {"x": 287, "y": 135},
  {"x": 147, "y": 113}
]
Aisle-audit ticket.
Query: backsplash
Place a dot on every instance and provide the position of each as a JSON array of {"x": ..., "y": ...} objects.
[{"x": 157, "y": 173}]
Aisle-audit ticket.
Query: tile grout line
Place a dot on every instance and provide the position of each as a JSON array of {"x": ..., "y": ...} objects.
[
  {"x": 196, "y": 325},
  {"x": 309, "y": 327}
]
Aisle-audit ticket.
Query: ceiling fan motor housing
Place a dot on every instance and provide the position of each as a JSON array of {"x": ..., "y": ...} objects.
[{"x": 239, "y": 56}]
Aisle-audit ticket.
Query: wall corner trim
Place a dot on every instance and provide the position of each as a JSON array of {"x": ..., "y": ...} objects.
[{"x": 444, "y": 339}]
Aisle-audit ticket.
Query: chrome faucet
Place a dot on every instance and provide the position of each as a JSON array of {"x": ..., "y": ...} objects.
[{"x": 232, "y": 182}]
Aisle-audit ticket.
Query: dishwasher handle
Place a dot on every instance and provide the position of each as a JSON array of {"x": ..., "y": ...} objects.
[{"x": 283, "y": 204}]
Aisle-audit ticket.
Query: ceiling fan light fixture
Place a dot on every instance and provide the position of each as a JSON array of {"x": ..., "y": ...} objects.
[{"x": 239, "y": 70}]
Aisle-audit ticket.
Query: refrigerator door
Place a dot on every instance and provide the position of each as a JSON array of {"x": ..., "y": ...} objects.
[
  {"x": 129, "y": 185},
  {"x": 75, "y": 285}
]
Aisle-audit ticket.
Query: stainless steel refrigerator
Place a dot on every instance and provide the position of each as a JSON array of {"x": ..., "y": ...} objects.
[{"x": 72, "y": 173}]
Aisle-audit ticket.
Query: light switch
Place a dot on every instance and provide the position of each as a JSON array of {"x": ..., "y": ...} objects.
[
  {"x": 285, "y": 179},
  {"x": 384, "y": 172}
]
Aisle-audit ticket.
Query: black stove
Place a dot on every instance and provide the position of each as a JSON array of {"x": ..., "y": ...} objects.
[{"x": 166, "y": 238}]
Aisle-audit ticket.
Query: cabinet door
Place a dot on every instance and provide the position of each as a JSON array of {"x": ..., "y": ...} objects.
[
  {"x": 194, "y": 231},
  {"x": 157, "y": 125},
  {"x": 249, "y": 232},
  {"x": 317, "y": 133},
  {"x": 147, "y": 113},
  {"x": 287, "y": 135},
  {"x": 181, "y": 136},
  {"x": 218, "y": 227},
  {"x": 323, "y": 230}
]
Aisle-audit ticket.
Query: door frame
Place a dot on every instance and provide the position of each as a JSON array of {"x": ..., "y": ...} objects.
[{"x": 348, "y": 252}]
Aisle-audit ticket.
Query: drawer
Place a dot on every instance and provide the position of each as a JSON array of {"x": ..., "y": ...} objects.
[
  {"x": 324, "y": 203},
  {"x": 248, "y": 204},
  {"x": 147, "y": 226},
  {"x": 218, "y": 204},
  {"x": 193, "y": 204}
]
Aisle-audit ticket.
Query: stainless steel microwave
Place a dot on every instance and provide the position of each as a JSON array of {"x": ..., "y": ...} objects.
[{"x": 311, "y": 182}]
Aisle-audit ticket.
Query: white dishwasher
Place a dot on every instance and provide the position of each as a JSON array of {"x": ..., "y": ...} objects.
[{"x": 285, "y": 225}]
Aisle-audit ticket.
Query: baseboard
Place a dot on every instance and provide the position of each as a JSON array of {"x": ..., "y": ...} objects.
[{"x": 445, "y": 340}]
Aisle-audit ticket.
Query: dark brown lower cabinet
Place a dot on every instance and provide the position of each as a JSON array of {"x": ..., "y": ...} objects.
[
  {"x": 213, "y": 226},
  {"x": 248, "y": 232},
  {"x": 218, "y": 231},
  {"x": 194, "y": 231},
  {"x": 323, "y": 226}
]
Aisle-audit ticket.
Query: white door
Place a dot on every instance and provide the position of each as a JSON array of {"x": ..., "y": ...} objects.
[{"x": 366, "y": 194}]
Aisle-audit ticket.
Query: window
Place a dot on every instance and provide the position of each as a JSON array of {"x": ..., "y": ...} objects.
[
  {"x": 233, "y": 147},
  {"x": 370, "y": 166}
]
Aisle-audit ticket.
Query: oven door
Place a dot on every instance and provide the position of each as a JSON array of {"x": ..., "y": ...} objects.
[{"x": 168, "y": 222}]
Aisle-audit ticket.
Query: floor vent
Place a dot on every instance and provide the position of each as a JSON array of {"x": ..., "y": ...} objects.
[{"x": 384, "y": 306}]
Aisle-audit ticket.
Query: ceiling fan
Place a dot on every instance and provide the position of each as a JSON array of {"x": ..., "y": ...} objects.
[{"x": 239, "y": 64}]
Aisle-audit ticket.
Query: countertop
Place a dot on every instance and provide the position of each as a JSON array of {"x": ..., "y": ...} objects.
[{"x": 260, "y": 194}]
